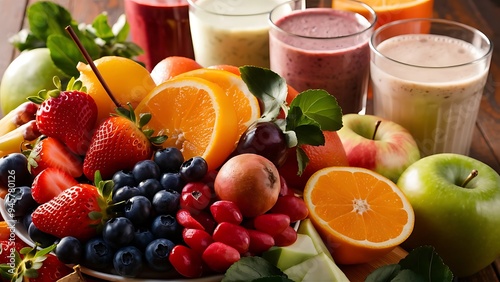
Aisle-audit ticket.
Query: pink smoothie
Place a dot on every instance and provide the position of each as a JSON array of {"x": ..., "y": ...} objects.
[
  {"x": 160, "y": 28},
  {"x": 323, "y": 53}
]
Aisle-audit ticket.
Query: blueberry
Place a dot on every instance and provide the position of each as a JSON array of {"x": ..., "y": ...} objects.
[
  {"x": 169, "y": 159},
  {"x": 122, "y": 178},
  {"x": 118, "y": 232},
  {"x": 124, "y": 193},
  {"x": 166, "y": 202},
  {"x": 165, "y": 226},
  {"x": 138, "y": 209},
  {"x": 19, "y": 202},
  {"x": 27, "y": 220},
  {"x": 157, "y": 252},
  {"x": 194, "y": 169},
  {"x": 127, "y": 261},
  {"x": 14, "y": 171},
  {"x": 146, "y": 169},
  {"x": 142, "y": 238},
  {"x": 149, "y": 187},
  {"x": 40, "y": 237},
  {"x": 172, "y": 181},
  {"x": 69, "y": 250},
  {"x": 98, "y": 254}
]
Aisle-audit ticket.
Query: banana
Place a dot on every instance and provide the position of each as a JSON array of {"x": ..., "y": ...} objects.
[
  {"x": 17, "y": 117},
  {"x": 13, "y": 141}
]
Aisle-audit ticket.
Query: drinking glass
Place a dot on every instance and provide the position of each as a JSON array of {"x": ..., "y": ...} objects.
[
  {"x": 323, "y": 48},
  {"x": 428, "y": 75}
]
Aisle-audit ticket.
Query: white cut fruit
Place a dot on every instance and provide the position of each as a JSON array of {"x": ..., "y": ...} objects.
[{"x": 288, "y": 256}]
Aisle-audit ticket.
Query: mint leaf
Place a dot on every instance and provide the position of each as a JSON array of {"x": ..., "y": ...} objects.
[
  {"x": 267, "y": 86},
  {"x": 252, "y": 268},
  {"x": 321, "y": 107},
  {"x": 102, "y": 28},
  {"x": 121, "y": 28},
  {"x": 384, "y": 274},
  {"x": 46, "y": 18}
]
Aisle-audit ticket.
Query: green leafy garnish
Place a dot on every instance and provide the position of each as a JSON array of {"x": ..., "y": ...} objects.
[
  {"x": 254, "y": 269},
  {"x": 307, "y": 116},
  {"x": 421, "y": 264},
  {"x": 47, "y": 23}
]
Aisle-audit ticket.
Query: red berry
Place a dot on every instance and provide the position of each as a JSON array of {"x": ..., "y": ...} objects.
[
  {"x": 219, "y": 256},
  {"x": 226, "y": 211},
  {"x": 272, "y": 223},
  {"x": 205, "y": 219},
  {"x": 186, "y": 261},
  {"x": 259, "y": 242},
  {"x": 233, "y": 235},
  {"x": 195, "y": 195},
  {"x": 292, "y": 206},
  {"x": 185, "y": 219},
  {"x": 284, "y": 189},
  {"x": 197, "y": 239},
  {"x": 285, "y": 238}
]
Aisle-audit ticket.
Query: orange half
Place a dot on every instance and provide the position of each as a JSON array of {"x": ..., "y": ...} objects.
[
  {"x": 197, "y": 117},
  {"x": 360, "y": 214}
]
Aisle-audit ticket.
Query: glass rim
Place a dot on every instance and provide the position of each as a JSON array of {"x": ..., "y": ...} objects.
[
  {"x": 369, "y": 9},
  {"x": 192, "y": 3},
  {"x": 431, "y": 20}
]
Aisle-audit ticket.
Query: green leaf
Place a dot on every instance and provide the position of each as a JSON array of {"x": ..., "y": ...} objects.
[
  {"x": 64, "y": 54},
  {"x": 46, "y": 18},
  {"x": 384, "y": 274},
  {"x": 250, "y": 268},
  {"x": 272, "y": 279},
  {"x": 427, "y": 263},
  {"x": 267, "y": 86},
  {"x": 121, "y": 28},
  {"x": 102, "y": 28},
  {"x": 407, "y": 275},
  {"x": 321, "y": 107},
  {"x": 302, "y": 160},
  {"x": 310, "y": 134},
  {"x": 26, "y": 40}
]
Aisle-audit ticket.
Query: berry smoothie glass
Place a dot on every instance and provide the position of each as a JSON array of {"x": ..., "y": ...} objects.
[
  {"x": 428, "y": 75},
  {"x": 323, "y": 48},
  {"x": 160, "y": 28}
]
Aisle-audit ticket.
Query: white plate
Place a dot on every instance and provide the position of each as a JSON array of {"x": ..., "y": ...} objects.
[{"x": 22, "y": 233}]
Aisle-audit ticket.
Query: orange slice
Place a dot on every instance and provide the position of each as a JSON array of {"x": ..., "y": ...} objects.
[
  {"x": 197, "y": 117},
  {"x": 244, "y": 102},
  {"x": 360, "y": 214}
]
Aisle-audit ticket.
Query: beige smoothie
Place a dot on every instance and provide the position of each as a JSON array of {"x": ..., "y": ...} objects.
[
  {"x": 231, "y": 32},
  {"x": 436, "y": 102}
]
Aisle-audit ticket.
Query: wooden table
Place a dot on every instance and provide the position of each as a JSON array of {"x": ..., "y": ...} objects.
[{"x": 481, "y": 14}]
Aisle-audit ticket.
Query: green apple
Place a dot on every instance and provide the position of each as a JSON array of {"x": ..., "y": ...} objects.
[
  {"x": 456, "y": 210},
  {"x": 317, "y": 268},
  {"x": 27, "y": 74},
  {"x": 306, "y": 227},
  {"x": 378, "y": 144},
  {"x": 288, "y": 256}
]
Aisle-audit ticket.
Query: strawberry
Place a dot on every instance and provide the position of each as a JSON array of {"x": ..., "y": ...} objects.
[
  {"x": 119, "y": 143},
  {"x": 35, "y": 266},
  {"x": 50, "y": 183},
  {"x": 78, "y": 211},
  {"x": 49, "y": 152},
  {"x": 8, "y": 247},
  {"x": 68, "y": 116}
]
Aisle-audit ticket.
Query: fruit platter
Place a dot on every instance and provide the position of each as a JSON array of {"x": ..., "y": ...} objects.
[{"x": 112, "y": 172}]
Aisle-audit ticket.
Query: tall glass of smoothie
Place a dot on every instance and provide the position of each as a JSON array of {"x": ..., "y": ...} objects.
[
  {"x": 323, "y": 48},
  {"x": 160, "y": 28},
  {"x": 430, "y": 82},
  {"x": 231, "y": 32}
]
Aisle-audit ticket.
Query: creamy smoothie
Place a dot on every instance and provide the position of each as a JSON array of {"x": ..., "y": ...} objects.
[
  {"x": 233, "y": 32},
  {"x": 322, "y": 48},
  {"x": 436, "y": 102}
]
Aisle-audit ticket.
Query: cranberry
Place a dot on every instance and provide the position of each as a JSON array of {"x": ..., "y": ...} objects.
[
  {"x": 197, "y": 239},
  {"x": 286, "y": 238},
  {"x": 186, "y": 261},
  {"x": 292, "y": 206},
  {"x": 233, "y": 235},
  {"x": 259, "y": 242},
  {"x": 272, "y": 223},
  {"x": 195, "y": 196},
  {"x": 185, "y": 219},
  {"x": 219, "y": 256},
  {"x": 226, "y": 211}
]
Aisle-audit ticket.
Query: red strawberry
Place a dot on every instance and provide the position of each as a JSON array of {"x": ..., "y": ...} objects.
[
  {"x": 35, "y": 266},
  {"x": 50, "y": 183},
  {"x": 49, "y": 152},
  {"x": 77, "y": 211},
  {"x": 8, "y": 247},
  {"x": 69, "y": 116},
  {"x": 119, "y": 143}
]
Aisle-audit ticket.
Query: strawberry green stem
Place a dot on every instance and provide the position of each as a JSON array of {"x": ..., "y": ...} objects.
[{"x": 89, "y": 60}]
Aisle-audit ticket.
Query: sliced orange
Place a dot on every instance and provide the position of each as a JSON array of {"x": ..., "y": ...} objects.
[
  {"x": 244, "y": 102},
  {"x": 196, "y": 115},
  {"x": 360, "y": 214}
]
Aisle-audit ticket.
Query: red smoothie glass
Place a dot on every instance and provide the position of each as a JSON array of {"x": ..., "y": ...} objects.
[
  {"x": 323, "y": 48},
  {"x": 160, "y": 28}
]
